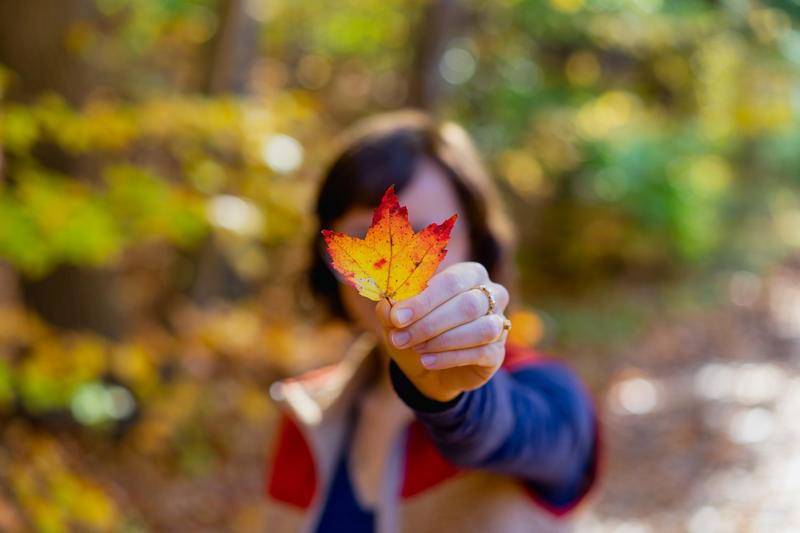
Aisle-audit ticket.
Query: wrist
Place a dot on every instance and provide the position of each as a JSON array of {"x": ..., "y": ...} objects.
[
  {"x": 442, "y": 396},
  {"x": 417, "y": 399}
]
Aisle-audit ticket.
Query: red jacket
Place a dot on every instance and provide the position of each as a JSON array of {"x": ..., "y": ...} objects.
[{"x": 431, "y": 493}]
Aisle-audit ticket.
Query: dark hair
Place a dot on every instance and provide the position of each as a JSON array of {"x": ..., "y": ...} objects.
[{"x": 384, "y": 150}]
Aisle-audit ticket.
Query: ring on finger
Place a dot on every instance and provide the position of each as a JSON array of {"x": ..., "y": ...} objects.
[
  {"x": 506, "y": 328},
  {"x": 489, "y": 297}
]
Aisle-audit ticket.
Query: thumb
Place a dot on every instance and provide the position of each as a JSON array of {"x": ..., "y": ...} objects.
[{"x": 382, "y": 309}]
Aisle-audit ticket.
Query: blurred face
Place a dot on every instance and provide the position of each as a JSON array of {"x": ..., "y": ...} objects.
[{"x": 430, "y": 198}]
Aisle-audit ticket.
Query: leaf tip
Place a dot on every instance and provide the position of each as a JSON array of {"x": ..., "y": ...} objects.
[
  {"x": 450, "y": 222},
  {"x": 389, "y": 204}
]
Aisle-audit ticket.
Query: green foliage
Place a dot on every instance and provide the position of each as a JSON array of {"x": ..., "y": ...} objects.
[
  {"x": 633, "y": 139},
  {"x": 645, "y": 107},
  {"x": 641, "y": 106},
  {"x": 124, "y": 198},
  {"x": 648, "y": 108}
]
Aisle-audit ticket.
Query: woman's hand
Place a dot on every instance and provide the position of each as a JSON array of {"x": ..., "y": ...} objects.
[{"x": 443, "y": 339}]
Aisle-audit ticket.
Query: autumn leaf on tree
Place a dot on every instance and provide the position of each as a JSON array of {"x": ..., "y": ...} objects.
[{"x": 392, "y": 261}]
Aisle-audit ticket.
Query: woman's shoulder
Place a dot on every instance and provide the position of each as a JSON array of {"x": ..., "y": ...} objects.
[{"x": 310, "y": 381}]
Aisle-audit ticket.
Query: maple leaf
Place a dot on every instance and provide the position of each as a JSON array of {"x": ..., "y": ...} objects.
[{"x": 392, "y": 261}]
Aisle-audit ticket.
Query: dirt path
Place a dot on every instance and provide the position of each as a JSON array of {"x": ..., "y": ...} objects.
[{"x": 702, "y": 421}]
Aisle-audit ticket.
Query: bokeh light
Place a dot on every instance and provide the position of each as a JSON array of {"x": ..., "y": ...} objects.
[{"x": 282, "y": 153}]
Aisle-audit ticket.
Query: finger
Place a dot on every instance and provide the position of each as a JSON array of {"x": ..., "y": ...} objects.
[
  {"x": 500, "y": 295},
  {"x": 484, "y": 330},
  {"x": 441, "y": 287},
  {"x": 465, "y": 307},
  {"x": 382, "y": 309},
  {"x": 488, "y": 355}
]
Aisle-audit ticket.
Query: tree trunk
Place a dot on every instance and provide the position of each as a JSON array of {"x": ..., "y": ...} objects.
[
  {"x": 233, "y": 50},
  {"x": 229, "y": 63},
  {"x": 34, "y": 46},
  {"x": 439, "y": 20}
]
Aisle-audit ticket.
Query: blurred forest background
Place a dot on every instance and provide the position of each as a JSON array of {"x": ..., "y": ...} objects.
[{"x": 158, "y": 160}]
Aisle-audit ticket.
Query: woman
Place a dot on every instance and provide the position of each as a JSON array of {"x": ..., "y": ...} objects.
[{"x": 431, "y": 422}]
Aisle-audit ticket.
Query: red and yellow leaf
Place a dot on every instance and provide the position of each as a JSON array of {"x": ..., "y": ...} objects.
[{"x": 391, "y": 261}]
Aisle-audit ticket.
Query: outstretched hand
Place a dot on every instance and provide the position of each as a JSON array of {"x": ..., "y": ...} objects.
[{"x": 443, "y": 339}]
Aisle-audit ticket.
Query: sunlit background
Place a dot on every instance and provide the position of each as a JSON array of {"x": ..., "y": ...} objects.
[{"x": 158, "y": 162}]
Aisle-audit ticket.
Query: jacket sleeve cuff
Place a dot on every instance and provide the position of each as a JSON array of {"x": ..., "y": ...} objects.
[{"x": 411, "y": 395}]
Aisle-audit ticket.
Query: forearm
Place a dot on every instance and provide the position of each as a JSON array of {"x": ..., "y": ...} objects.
[{"x": 536, "y": 424}]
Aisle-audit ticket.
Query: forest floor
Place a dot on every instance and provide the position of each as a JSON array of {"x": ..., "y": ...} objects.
[{"x": 700, "y": 419}]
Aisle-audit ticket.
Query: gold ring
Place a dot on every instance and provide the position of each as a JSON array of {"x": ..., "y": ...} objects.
[{"x": 492, "y": 304}]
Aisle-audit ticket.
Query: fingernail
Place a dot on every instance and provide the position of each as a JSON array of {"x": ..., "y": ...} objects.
[
  {"x": 400, "y": 338},
  {"x": 403, "y": 316},
  {"x": 428, "y": 360}
]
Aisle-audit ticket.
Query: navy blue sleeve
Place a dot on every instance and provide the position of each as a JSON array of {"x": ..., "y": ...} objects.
[{"x": 536, "y": 424}]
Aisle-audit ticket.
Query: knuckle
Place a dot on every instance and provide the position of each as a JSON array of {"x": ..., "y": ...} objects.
[
  {"x": 488, "y": 329},
  {"x": 479, "y": 271},
  {"x": 488, "y": 355},
  {"x": 473, "y": 304},
  {"x": 500, "y": 351},
  {"x": 421, "y": 330},
  {"x": 420, "y": 303},
  {"x": 502, "y": 294},
  {"x": 451, "y": 282},
  {"x": 497, "y": 326}
]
